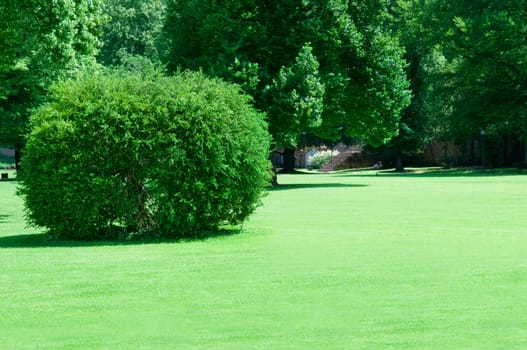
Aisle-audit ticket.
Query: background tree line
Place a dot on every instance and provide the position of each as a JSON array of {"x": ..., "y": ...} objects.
[{"x": 390, "y": 73}]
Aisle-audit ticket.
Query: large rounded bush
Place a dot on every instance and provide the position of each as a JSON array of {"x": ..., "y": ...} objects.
[{"x": 125, "y": 153}]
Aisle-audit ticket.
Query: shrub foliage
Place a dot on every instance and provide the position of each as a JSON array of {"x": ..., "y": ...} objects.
[
  {"x": 321, "y": 158},
  {"x": 126, "y": 153}
]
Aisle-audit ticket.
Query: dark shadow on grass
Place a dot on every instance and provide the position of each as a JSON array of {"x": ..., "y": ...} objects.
[
  {"x": 460, "y": 172},
  {"x": 3, "y": 218},
  {"x": 281, "y": 187},
  {"x": 43, "y": 240},
  {"x": 299, "y": 172},
  {"x": 447, "y": 172}
]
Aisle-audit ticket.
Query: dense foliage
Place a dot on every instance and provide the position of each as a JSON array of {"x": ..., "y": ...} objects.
[
  {"x": 485, "y": 49},
  {"x": 40, "y": 42},
  {"x": 328, "y": 67},
  {"x": 133, "y": 28},
  {"x": 468, "y": 72},
  {"x": 320, "y": 70},
  {"x": 321, "y": 158},
  {"x": 133, "y": 152}
]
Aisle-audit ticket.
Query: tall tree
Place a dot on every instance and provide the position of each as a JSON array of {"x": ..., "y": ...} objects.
[
  {"x": 306, "y": 63},
  {"x": 487, "y": 53},
  {"x": 412, "y": 21},
  {"x": 296, "y": 102},
  {"x": 363, "y": 68},
  {"x": 41, "y": 41},
  {"x": 476, "y": 70}
]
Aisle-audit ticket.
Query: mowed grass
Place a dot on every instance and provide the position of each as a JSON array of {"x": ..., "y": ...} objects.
[{"x": 338, "y": 261}]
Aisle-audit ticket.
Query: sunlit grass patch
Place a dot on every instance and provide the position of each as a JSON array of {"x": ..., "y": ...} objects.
[{"x": 339, "y": 261}]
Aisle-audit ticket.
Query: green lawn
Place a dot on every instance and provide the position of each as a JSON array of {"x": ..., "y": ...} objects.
[{"x": 339, "y": 261}]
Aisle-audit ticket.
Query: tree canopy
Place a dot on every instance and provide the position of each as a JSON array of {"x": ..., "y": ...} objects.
[
  {"x": 328, "y": 67},
  {"x": 133, "y": 28},
  {"x": 399, "y": 73},
  {"x": 486, "y": 50},
  {"x": 41, "y": 41}
]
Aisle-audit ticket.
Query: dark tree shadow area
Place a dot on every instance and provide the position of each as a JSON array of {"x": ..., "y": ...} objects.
[
  {"x": 453, "y": 172},
  {"x": 3, "y": 218},
  {"x": 11, "y": 179},
  {"x": 281, "y": 187},
  {"x": 44, "y": 240},
  {"x": 462, "y": 172}
]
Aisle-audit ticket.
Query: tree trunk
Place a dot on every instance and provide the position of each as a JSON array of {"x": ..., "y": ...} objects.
[
  {"x": 432, "y": 156},
  {"x": 17, "y": 156},
  {"x": 276, "y": 160},
  {"x": 399, "y": 167},
  {"x": 472, "y": 152},
  {"x": 289, "y": 160},
  {"x": 274, "y": 179}
]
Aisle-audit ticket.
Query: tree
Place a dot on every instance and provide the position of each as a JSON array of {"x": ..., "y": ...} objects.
[
  {"x": 296, "y": 102},
  {"x": 415, "y": 26},
  {"x": 134, "y": 28},
  {"x": 486, "y": 52},
  {"x": 41, "y": 41},
  {"x": 131, "y": 152},
  {"x": 475, "y": 70},
  {"x": 306, "y": 63},
  {"x": 362, "y": 66}
]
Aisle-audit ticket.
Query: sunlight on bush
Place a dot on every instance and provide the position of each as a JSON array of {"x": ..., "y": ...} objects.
[
  {"x": 122, "y": 153},
  {"x": 321, "y": 158}
]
